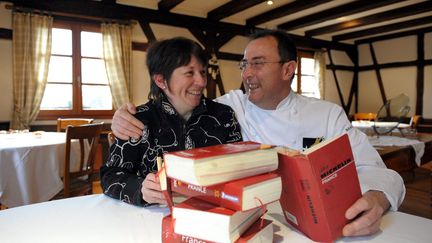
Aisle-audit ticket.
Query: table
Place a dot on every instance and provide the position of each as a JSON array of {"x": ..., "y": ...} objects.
[
  {"x": 402, "y": 158},
  {"x": 31, "y": 166},
  {"x": 98, "y": 218}
]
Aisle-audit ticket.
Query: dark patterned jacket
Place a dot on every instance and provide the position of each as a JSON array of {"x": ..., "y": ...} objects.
[{"x": 130, "y": 161}]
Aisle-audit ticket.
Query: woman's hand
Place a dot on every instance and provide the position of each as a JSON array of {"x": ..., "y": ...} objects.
[{"x": 151, "y": 190}]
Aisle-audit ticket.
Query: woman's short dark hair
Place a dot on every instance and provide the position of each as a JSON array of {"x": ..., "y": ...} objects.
[
  {"x": 286, "y": 47},
  {"x": 163, "y": 57}
]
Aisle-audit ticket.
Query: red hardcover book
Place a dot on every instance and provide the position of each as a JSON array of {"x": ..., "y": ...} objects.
[
  {"x": 220, "y": 163},
  {"x": 258, "y": 232},
  {"x": 206, "y": 221},
  {"x": 319, "y": 185},
  {"x": 238, "y": 195}
]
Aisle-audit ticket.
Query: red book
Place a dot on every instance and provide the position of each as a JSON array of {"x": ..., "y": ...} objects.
[
  {"x": 206, "y": 221},
  {"x": 238, "y": 195},
  {"x": 220, "y": 163},
  {"x": 319, "y": 185},
  {"x": 258, "y": 232}
]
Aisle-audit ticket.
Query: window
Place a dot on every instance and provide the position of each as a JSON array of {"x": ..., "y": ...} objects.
[
  {"x": 77, "y": 82},
  {"x": 304, "y": 81}
]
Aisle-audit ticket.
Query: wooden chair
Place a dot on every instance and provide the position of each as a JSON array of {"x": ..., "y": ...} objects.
[
  {"x": 63, "y": 123},
  {"x": 414, "y": 121},
  {"x": 80, "y": 182},
  {"x": 365, "y": 116},
  {"x": 111, "y": 138}
]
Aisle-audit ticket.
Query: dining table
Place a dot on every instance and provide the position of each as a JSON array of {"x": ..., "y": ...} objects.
[
  {"x": 99, "y": 218},
  {"x": 32, "y": 165}
]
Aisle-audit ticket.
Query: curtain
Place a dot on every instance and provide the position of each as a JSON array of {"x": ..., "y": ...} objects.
[
  {"x": 117, "y": 50},
  {"x": 31, "y": 47},
  {"x": 320, "y": 67}
]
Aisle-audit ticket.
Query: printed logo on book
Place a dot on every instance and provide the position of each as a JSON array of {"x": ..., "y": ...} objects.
[
  {"x": 229, "y": 197},
  {"x": 330, "y": 174}
]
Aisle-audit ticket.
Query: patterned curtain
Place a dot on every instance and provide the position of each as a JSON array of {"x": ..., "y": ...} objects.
[
  {"x": 320, "y": 67},
  {"x": 117, "y": 50},
  {"x": 31, "y": 47}
]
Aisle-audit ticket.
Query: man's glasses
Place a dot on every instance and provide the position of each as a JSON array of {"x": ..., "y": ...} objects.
[{"x": 255, "y": 65}]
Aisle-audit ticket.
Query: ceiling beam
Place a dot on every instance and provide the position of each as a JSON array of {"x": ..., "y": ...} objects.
[
  {"x": 96, "y": 9},
  {"x": 167, "y": 5},
  {"x": 336, "y": 12},
  {"x": 148, "y": 32},
  {"x": 231, "y": 8},
  {"x": 383, "y": 29},
  {"x": 374, "y": 18},
  {"x": 283, "y": 10}
]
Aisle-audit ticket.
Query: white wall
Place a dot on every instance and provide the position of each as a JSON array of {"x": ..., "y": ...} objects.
[
  {"x": 344, "y": 78},
  {"x": 395, "y": 80},
  {"x": 6, "y": 98}
]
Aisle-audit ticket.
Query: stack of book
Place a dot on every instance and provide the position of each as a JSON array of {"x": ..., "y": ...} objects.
[{"x": 227, "y": 187}]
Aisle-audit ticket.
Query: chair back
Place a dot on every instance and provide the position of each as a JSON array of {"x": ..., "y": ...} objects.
[
  {"x": 365, "y": 116},
  {"x": 63, "y": 123},
  {"x": 111, "y": 138},
  {"x": 79, "y": 182},
  {"x": 414, "y": 121}
]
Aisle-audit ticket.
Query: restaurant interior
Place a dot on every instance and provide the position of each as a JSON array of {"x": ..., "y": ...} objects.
[{"x": 373, "y": 58}]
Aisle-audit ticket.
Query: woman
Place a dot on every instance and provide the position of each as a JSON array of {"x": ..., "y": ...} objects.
[{"x": 177, "y": 116}]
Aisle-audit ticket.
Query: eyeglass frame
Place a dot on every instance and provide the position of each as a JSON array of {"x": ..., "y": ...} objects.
[{"x": 255, "y": 65}]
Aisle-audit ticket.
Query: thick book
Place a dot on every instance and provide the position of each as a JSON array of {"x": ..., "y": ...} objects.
[
  {"x": 206, "y": 221},
  {"x": 259, "y": 232},
  {"x": 220, "y": 163},
  {"x": 239, "y": 195},
  {"x": 319, "y": 185}
]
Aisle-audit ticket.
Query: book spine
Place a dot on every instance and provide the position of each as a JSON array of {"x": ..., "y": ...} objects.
[
  {"x": 169, "y": 236},
  {"x": 317, "y": 226},
  {"x": 224, "y": 195},
  {"x": 300, "y": 199}
]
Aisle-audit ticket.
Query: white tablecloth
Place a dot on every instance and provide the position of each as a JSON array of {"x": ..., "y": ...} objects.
[
  {"x": 31, "y": 166},
  {"x": 98, "y": 218},
  {"x": 383, "y": 141}
]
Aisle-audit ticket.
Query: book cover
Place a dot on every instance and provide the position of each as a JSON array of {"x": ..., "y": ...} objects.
[
  {"x": 206, "y": 221},
  {"x": 319, "y": 185},
  {"x": 238, "y": 195},
  {"x": 259, "y": 232},
  {"x": 220, "y": 163}
]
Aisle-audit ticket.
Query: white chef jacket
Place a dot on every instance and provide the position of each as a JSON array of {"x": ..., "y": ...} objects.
[{"x": 298, "y": 119}]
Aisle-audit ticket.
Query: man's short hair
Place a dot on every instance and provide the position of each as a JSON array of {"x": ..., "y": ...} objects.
[{"x": 286, "y": 47}]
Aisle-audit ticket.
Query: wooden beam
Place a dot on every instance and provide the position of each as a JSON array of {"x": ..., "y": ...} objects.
[
  {"x": 373, "y": 19},
  {"x": 394, "y": 35},
  {"x": 231, "y": 8},
  {"x": 378, "y": 73},
  {"x": 145, "y": 26},
  {"x": 341, "y": 99},
  {"x": 5, "y": 34},
  {"x": 139, "y": 46},
  {"x": 336, "y": 12},
  {"x": 284, "y": 10},
  {"x": 167, "y": 5},
  {"x": 229, "y": 56},
  {"x": 420, "y": 74},
  {"x": 98, "y": 9},
  {"x": 383, "y": 29}
]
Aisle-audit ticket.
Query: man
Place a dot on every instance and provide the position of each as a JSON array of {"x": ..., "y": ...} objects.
[{"x": 270, "y": 113}]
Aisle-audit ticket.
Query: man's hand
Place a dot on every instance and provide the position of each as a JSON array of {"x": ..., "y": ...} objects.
[
  {"x": 369, "y": 210},
  {"x": 151, "y": 190},
  {"x": 124, "y": 124}
]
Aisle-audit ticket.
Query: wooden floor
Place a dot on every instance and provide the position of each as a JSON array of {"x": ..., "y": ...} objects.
[{"x": 418, "y": 198}]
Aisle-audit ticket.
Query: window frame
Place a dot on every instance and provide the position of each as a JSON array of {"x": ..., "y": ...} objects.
[
  {"x": 77, "y": 110},
  {"x": 301, "y": 54}
]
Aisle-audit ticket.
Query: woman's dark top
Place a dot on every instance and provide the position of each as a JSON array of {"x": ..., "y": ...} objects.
[{"x": 130, "y": 161}]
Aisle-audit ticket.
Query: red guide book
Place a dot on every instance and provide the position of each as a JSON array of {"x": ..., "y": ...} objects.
[
  {"x": 238, "y": 195},
  {"x": 319, "y": 185}
]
